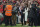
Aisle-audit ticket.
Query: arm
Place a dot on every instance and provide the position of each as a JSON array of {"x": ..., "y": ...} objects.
[
  {"x": 5, "y": 9},
  {"x": 25, "y": 10}
]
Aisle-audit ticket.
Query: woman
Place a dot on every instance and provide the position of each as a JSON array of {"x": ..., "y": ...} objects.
[{"x": 26, "y": 14}]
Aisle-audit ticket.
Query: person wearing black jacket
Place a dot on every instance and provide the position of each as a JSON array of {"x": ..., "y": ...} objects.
[
  {"x": 22, "y": 16},
  {"x": 33, "y": 16},
  {"x": 4, "y": 5},
  {"x": 38, "y": 15},
  {"x": 4, "y": 12}
]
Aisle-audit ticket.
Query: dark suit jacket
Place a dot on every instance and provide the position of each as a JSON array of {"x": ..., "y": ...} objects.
[
  {"x": 4, "y": 8},
  {"x": 32, "y": 13}
]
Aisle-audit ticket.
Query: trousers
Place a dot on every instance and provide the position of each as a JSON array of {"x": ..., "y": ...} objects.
[
  {"x": 14, "y": 19},
  {"x": 8, "y": 20},
  {"x": 33, "y": 20}
]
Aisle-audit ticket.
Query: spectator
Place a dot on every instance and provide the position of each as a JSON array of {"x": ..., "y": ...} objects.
[
  {"x": 8, "y": 14},
  {"x": 33, "y": 16},
  {"x": 1, "y": 14},
  {"x": 14, "y": 12},
  {"x": 22, "y": 15}
]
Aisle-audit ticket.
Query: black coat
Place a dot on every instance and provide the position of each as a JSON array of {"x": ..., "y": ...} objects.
[
  {"x": 4, "y": 8},
  {"x": 32, "y": 13}
]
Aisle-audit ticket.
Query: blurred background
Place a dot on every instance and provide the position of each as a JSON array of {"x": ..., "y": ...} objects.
[{"x": 19, "y": 13}]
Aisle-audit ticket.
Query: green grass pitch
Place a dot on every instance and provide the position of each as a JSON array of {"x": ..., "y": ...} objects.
[{"x": 18, "y": 25}]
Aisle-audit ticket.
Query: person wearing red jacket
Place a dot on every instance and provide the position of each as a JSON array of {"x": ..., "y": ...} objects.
[
  {"x": 1, "y": 11},
  {"x": 39, "y": 2}
]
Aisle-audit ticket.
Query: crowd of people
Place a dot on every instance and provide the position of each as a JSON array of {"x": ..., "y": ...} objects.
[{"x": 27, "y": 12}]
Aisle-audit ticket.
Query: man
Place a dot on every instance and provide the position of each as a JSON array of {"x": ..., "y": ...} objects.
[
  {"x": 4, "y": 5},
  {"x": 22, "y": 14},
  {"x": 38, "y": 15},
  {"x": 33, "y": 15},
  {"x": 8, "y": 14},
  {"x": 14, "y": 12}
]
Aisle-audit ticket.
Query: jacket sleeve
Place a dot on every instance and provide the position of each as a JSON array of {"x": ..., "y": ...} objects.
[{"x": 5, "y": 9}]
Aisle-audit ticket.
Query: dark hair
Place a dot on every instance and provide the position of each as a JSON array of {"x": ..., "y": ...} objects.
[{"x": 27, "y": 5}]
